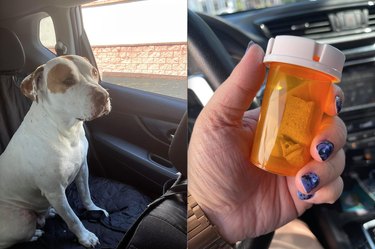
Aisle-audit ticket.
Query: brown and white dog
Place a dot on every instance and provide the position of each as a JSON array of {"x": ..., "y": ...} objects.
[{"x": 49, "y": 149}]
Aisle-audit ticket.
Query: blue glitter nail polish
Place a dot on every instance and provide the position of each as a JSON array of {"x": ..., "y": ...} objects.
[
  {"x": 338, "y": 101},
  {"x": 325, "y": 149},
  {"x": 310, "y": 181},
  {"x": 303, "y": 197}
]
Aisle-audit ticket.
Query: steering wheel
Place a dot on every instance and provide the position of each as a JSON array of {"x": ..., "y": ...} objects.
[
  {"x": 211, "y": 63},
  {"x": 206, "y": 52}
]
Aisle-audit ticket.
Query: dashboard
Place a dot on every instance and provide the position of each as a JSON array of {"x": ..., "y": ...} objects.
[{"x": 358, "y": 84}]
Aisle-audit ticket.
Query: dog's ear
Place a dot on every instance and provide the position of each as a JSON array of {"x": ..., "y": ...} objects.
[{"x": 30, "y": 85}]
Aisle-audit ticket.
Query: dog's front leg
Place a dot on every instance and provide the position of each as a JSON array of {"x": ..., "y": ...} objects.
[
  {"x": 82, "y": 183},
  {"x": 60, "y": 203}
]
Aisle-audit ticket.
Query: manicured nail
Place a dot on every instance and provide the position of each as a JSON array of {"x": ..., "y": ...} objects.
[
  {"x": 338, "y": 104},
  {"x": 303, "y": 197},
  {"x": 251, "y": 43},
  {"x": 310, "y": 181},
  {"x": 325, "y": 149}
]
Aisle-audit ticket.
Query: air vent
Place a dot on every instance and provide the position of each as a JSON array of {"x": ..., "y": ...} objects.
[
  {"x": 340, "y": 22},
  {"x": 298, "y": 25},
  {"x": 371, "y": 18}
]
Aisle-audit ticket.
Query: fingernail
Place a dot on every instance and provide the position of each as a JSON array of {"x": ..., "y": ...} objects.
[
  {"x": 310, "y": 181},
  {"x": 303, "y": 197},
  {"x": 338, "y": 101},
  {"x": 325, "y": 149},
  {"x": 251, "y": 43}
]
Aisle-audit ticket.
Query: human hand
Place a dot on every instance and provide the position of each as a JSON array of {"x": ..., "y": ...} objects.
[{"x": 238, "y": 197}]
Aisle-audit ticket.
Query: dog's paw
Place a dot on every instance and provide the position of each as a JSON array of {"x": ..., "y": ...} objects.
[
  {"x": 41, "y": 220},
  {"x": 104, "y": 211},
  {"x": 51, "y": 212},
  {"x": 38, "y": 233},
  {"x": 88, "y": 239}
]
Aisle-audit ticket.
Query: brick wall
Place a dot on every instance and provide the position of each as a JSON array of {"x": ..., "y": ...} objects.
[
  {"x": 160, "y": 60},
  {"x": 103, "y": 2}
]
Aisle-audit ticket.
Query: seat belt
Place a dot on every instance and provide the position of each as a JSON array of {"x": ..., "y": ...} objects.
[{"x": 178, "y": 191}]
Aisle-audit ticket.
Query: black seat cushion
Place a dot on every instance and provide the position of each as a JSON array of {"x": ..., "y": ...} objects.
[{"x": 123, "y": 202}]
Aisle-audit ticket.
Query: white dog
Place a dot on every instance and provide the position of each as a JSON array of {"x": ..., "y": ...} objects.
[{"x": 48, "y": 151}]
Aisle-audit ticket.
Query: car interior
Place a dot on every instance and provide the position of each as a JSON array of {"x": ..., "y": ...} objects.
[
  {"x": 135, "y": 152},
  {"x": 217, "y": 43},
  {"x": 133, "y": 158}
]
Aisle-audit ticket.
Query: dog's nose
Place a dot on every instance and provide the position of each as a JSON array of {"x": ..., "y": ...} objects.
[
  {"x": 100, "y": 96},
  {"x": 101, "y": 104}
]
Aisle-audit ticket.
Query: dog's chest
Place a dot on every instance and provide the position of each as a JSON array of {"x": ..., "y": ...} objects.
[{"x": 71, "y": 161}]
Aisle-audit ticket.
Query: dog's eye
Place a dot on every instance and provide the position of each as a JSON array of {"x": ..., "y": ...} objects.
[
  {"x": 69, "y": 81},
  {"x": 95, "y": 72}
]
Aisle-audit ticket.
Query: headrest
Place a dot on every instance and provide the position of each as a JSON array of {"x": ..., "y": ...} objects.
[
  {"x": 178, "y": 147},
  {"x": 12, "y": 56}
]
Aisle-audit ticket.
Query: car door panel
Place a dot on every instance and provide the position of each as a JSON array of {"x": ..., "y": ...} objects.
[{"x": 137, "y": 134}]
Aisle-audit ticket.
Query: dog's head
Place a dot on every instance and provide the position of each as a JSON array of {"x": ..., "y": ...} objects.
[{"x": 69, "y": 85}]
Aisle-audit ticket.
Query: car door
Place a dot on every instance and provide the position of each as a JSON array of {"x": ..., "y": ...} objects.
[{"x": 131, "y": 143}]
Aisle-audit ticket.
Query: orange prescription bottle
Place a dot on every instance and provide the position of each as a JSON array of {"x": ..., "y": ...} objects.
[{"x": 301, "y": 72}]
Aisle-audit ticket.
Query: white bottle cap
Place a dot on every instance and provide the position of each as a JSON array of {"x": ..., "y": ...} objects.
[{"x": 305, "y": 52}]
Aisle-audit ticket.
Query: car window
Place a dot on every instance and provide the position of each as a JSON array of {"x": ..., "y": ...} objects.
[
  {"x": 218, "y": 7},
  {"x": 140, "y": 44},
  {"x": 47, "y": 35}
]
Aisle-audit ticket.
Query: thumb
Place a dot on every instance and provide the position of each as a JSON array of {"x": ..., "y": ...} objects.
[{"x": 235, "y": 95}]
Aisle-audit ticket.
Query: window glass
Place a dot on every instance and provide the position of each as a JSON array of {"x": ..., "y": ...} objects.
[
  {"x": 47, "y": 33},
  {"x": 217, "y": 7},
  {"x": 140, "y": 44}
]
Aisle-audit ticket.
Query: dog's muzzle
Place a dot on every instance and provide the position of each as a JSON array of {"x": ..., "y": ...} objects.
[{"x": 101, "y": 102}]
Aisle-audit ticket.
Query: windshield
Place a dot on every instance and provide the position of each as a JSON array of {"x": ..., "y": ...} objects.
[{"x": 217, "y": 7}]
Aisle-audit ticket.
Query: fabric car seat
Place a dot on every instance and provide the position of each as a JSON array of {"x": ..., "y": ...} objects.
[{"x": 13, "y": 105}]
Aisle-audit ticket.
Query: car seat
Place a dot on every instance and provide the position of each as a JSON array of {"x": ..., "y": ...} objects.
[
  {"x": 13, "y": 105},
  {"x": 124, "y": 202}
]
